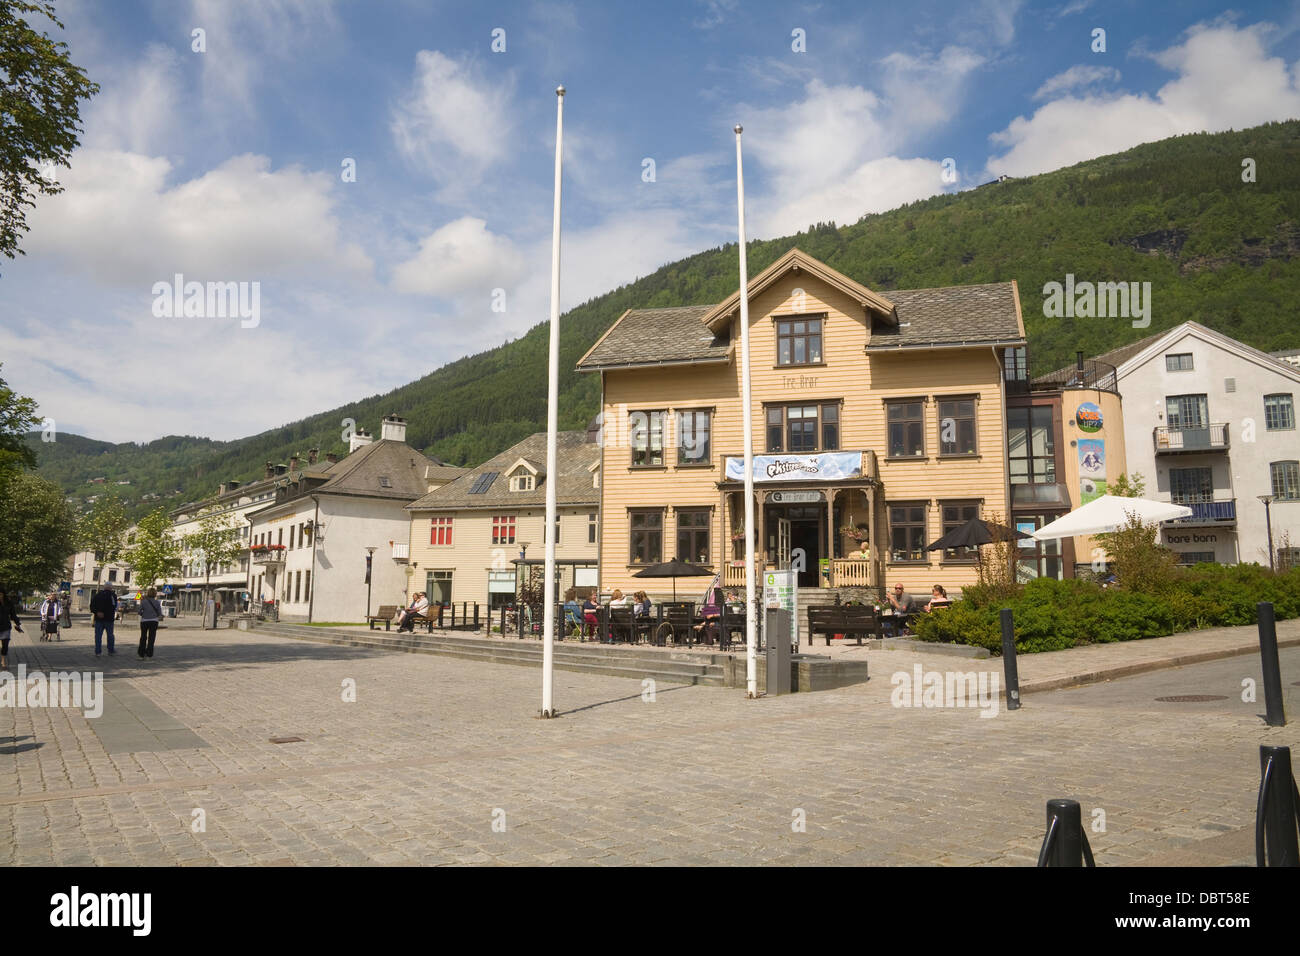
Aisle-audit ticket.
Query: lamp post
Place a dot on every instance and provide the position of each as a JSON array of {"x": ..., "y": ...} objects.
[
  {"x": 1268, "y": 523},
  {"x": 370, "y": 554}
]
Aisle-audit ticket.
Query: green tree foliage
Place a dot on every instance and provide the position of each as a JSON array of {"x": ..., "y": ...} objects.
[
  {"x": 156, "y": 552},
  {"x": 214, "y": 543},
  {"x": 103, "y": 529},
  {"x": 17, "y": 418},
  {"x": 38, "y": 533},
  {"x": 1128, "y": 486},
  {"x": 40, "y": 116},
  {"x": 1140, "y": 563},
  {"x": 1173, "y": 213}
]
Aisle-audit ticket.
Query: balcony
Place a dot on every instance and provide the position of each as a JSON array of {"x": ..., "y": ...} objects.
[
  {"x": 267, "y": 554},
  {"x": 401, "y": 552},
  {"x": 1173, "y": 440},
  {"x": 1220, "y": 513}
]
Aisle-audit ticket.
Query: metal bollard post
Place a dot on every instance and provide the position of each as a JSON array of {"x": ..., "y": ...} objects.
[
  {"x": 1009, "y": 660},
  {"x": 1275, "y": 712},
  {"x": 1065, "y": 843},
  {"x": 1277, "y": 811}
]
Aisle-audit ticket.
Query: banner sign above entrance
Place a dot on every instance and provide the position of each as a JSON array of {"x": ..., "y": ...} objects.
[
  {"x": 796, "y": 497},
  {"x": 828, "y": 466}
]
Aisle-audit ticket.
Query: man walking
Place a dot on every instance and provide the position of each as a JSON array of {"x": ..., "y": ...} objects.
[{"x": 104, "y": 608}]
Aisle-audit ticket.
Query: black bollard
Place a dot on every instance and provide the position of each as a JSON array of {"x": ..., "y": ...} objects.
[
  {"x": 1009, "y": 660},
  {"x": 1278, "y": 810},
  {"x": 1065, "y": 843},
  {"x": 1275, "y": 713}
]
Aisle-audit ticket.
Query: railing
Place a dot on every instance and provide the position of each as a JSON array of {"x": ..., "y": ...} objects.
[
  {"x": 851, "y": 573},
  {"x": 733, "y": 577},
  {"x": 1208, "y": 512},
  {"x": 1177, "y": 438},
  {"x": 1093, "y": 374}
]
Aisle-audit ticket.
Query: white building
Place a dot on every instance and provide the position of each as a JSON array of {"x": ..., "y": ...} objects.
[
  {"x": 87, "y": 573},
  {"x": 1211, "y": 423},
  {"x": 309, "y": 546}
]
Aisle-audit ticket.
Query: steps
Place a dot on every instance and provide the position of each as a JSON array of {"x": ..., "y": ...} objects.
[{"x": 674, "y": 667}]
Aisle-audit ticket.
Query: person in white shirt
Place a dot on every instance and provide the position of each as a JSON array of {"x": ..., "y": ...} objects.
[
  {"x": 51, "y": 611},
  {"x": 419, "y": 608}
]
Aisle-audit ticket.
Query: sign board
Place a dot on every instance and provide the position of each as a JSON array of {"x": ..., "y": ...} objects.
[
  {"x": 584, "y": 577},
  {"x": 167, "y": 589},
  {"x": 827, "y": 466},
  {"x": 65, "y": 585},
  {"x": 1092, "y": 469},
  {"x": 1088, "y": 417},
  {"x": 781, "y": 590},
  {"x": 795, "y": 497},
  {"x": 501, "y": 582}
]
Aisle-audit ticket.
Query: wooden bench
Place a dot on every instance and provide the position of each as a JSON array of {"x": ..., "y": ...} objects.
[
  {"x": 386, "y": 614},
  {"x": 849, "y": 620}
]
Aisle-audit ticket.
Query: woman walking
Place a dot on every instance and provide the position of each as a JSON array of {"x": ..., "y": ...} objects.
[
  {"x": 150, "y": 615},
  {"x": 51, "y": 611},
  {"x": 8, "y": 620}
]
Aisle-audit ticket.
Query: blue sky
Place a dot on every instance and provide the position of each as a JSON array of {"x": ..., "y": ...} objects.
[{"x": 225, "y": 166}]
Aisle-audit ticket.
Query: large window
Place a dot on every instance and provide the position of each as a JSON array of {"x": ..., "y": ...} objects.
[
  {"x": 800, "y": 429},
  {"x": 906, "y": 429},
  {"x": 1038, "y": 559},
  {"x": 503, "y": 529},
  {"x": 1190, "y": 486},
  {"x": 437, "y": 587},
  {"x": 1178, "y": 362},
  {"x": 954, "y": 515},
  {"x": 1187, "y": 411},
  {"x": 646, "y": 432},
  {"x": 647, "y": 536},
  {"x": 440, "y": 530},
  {"x": 1286, "y": 480},
  {"x": 1279, "y": 413},
  {"x": 1031, "y": 448},
  {"x": 693, "y": 430},
  {"x": 907, "y": 532},
  {"x": 306, "y": 586},
  {"x": 693, "y": 535},
  {"x": 957, "y": 427},
  {"x": 799, "y": 342}
]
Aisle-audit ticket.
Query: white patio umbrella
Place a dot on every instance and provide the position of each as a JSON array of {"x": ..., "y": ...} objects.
[{"x": 1108, "y": 513}]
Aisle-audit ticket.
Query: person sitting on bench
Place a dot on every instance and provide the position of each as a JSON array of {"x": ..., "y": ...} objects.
[
  {"x": 938, "y": 598},
  {"x": 904, "y": 607},
  {"x": 419, "y": 609}
]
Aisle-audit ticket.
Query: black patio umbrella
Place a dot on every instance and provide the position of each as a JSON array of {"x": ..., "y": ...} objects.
[
  {"x": 972, "y": 534},
  {"x": 674, "y": 569}
]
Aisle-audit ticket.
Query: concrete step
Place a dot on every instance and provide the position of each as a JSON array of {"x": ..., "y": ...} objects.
[{"x": 590, "y": 659}]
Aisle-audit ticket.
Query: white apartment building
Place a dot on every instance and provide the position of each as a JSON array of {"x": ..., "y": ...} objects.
[
  {"x": 87, "y": 573},
  {"x": 1211, "y": 423},
  {"x": 309, "y": 544}
]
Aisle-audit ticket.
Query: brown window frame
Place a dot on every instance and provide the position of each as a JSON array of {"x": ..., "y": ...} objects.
[
  {"x": 633, "y": 531},
  {"x": 891, "y": 403},
  {"x": 819, "y": 430},
  {"x": 781, "y": 335},
  {"x": 940, "y": 402},
  {"x": 705, "y": 460},
  {"x": 704, "y": 531},
  {"x": 923, "y": 525},
  {"x": 649, "y": 450},
  {"x": 958, "y": 555}
]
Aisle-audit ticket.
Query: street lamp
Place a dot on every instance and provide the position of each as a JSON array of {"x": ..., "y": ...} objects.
[
  {"x": 1268, "y": 523},
  {"x": 370, "y": 554}
]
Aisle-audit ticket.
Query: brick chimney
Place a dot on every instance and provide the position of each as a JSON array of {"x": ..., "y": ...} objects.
[
  {"x": 312, "y": 455},
  {"x": 359, "y": 438},
  {"x": 331, "y": 457},
  {"x": 293, "y": 462},
  {"x": 393, "y": 428},
  {"x": 270, "y": 470}
]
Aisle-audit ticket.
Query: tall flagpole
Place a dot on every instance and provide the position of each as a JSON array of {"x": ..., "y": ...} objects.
[
  {"x": 552, "y": 419},
  {"x": 751, "y": 623}
]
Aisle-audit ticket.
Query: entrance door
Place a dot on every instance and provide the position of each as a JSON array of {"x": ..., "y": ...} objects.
[{"x": 783, "y": 543}]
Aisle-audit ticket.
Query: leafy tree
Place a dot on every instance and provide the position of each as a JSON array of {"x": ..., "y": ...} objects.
[
  {"x": 38, "y": 533},
  {"x": 156, "y": 552},
  {"x": 17, "y": 417},
  {"x": 1128, "y": 486},
  {"x": 1139, "y": 562},
  {"x": 40, "y": 116},
  {"x": 214, "y": 544},
  {"x": 103, "y": 529}
]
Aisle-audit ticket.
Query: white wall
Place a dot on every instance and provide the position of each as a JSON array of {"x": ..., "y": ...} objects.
[
  {"x": 339, "y": 581},
  {"x": 1243, "y": 471}
]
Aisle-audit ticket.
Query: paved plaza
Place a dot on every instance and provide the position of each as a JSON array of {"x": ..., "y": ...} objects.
[{"x": 442, "y": 761}]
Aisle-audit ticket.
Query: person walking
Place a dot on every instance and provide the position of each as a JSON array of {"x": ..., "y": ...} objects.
[
  {"x": 8, "y": 620},
  {"x": 51, "y": 610},
  {"x": 150, "y": 615},
  {"x": 103, "y": 607}
]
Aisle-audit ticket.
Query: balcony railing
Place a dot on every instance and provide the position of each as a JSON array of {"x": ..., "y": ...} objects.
[
  {"x": 851, "y": 573},
  {"x": 401, "y": 552},
  {"x": 1208, "y": 512},
  {"x": 267, "y": 553},
  {"x": 1172, "y": 439}
]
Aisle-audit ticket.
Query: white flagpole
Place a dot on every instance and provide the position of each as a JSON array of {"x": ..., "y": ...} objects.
[
  {"x": 751, "y": 623},
  {"x": 552, "y": 419}
]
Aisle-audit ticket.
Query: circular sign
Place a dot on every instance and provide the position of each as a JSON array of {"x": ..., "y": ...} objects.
[{"x": 1088, "y": 417}]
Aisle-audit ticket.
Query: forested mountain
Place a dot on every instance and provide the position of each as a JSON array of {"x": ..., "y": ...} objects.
[{"x": 1176, "y": 213}]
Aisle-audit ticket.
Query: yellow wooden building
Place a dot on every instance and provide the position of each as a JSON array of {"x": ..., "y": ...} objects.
[{"x": 879, "y": 424}]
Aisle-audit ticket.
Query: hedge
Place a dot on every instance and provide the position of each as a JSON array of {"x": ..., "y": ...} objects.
[{"x": 1051, "y": 615}]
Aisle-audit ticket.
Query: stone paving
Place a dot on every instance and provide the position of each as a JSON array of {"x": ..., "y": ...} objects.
[{"x": 442, "y": 761}]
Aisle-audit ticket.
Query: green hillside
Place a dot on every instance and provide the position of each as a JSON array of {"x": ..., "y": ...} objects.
[{"x": 1175, "y": 213}]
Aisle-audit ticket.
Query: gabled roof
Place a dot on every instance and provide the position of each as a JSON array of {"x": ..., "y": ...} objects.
[
  {"x": 1139, "y": 353},
  {"x": 657, "y": 337},
  {"x": 574, "y": 456},
  {"x": 359, "y": 472},
  {"x": 954, "y": 315},
  {"x": 719, "y": 316},
  {"x": 530, "y": 465}
]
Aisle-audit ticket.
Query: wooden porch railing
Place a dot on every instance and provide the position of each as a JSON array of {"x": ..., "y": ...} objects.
[{"x": 850, "y": 573}]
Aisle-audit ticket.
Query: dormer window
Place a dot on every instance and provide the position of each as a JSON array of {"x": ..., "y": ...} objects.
[{"x": 522, "y": 482}]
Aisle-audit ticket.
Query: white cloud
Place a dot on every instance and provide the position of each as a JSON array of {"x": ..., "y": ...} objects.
[
  {"x": 450, "y": 108},
  {"x": 137, "y": 105},
  {"x": 1075, "y": 77},
  {"x": 875, "y": 186},
  {"x": 120, "y": 221},
  {"x": 1225, "y": 79},
  {"x": 460, "y": 259}
]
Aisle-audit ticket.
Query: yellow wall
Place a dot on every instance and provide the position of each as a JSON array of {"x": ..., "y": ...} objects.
[
  {"x": 860, "y": 381},
  {"x": 1086, "y": 548}
]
